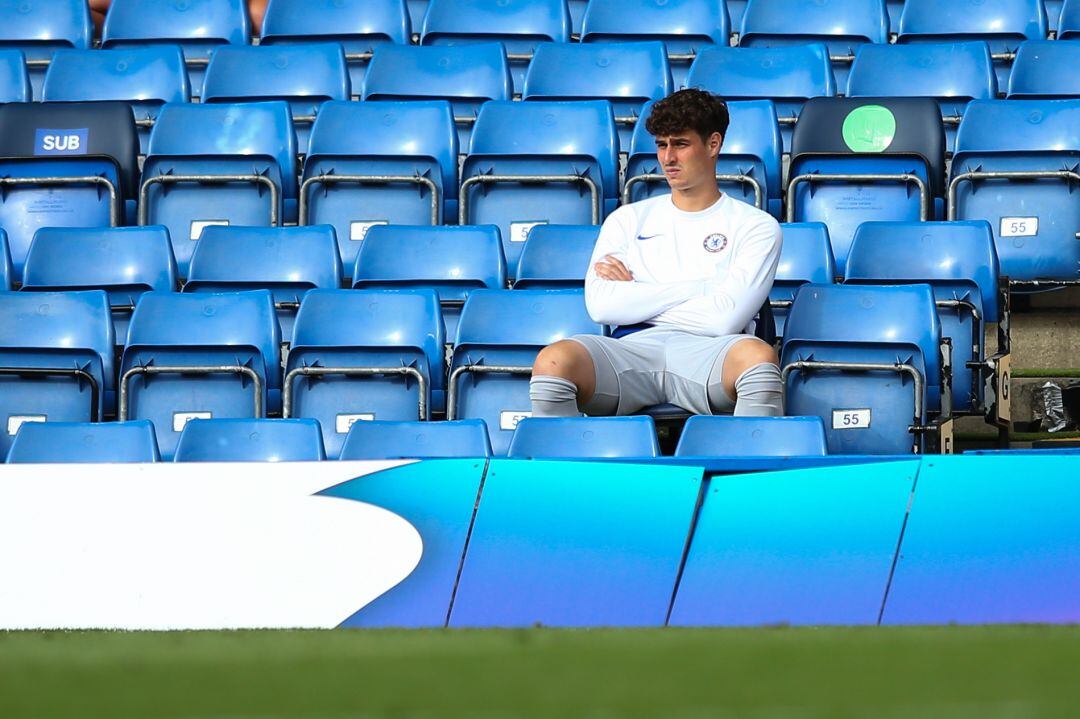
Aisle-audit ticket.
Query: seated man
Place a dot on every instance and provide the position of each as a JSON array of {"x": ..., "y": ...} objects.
[{"x": 680, "y": 277}]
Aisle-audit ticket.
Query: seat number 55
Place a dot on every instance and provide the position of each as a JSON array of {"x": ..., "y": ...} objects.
[{"x": 851, "y": 419}]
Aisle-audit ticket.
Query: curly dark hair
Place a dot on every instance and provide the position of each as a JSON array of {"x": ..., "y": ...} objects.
[{"x": 690, "y": 109}]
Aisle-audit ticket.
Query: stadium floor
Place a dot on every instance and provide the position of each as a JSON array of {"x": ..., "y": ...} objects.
[{"x": 1007, "y": 671}]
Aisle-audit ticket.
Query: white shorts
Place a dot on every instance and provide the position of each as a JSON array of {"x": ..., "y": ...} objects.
[{"x": 657, "y": 366}]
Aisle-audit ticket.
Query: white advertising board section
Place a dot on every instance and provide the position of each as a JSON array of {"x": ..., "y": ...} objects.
[{"x": 193, "y": 546}]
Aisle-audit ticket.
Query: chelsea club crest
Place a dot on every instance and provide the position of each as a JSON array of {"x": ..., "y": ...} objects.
[{"x": 715, "y": 243}]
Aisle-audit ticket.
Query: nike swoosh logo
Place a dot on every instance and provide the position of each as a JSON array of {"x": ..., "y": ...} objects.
[{"x": 649, "y": 237}]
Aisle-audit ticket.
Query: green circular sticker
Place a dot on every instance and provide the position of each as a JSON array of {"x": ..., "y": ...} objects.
[{"x": 870, "y": 128}]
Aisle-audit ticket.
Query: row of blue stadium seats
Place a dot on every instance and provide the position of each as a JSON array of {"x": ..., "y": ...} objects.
[
  {"x": 687, "y": 24},
  {"x": 367, "y": 354},
  {"x": 628, "y": 74},
  {"x": 300, "y": 440},
  {"x": 539, "y": 162}
]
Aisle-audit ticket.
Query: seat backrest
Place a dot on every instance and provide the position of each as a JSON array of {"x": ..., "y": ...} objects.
[
  {"x": 938, "y": 253},
  {"x": 191, "y": 22},
  {"x": 40, "y": 26},
  {"x": 1006, "y": 19},
  {"x": 584, "y": 437},
  {"x": 73, "y": 130},
  {"x": 868, "y": 127},
  {"x": 256, "y": 129},
  {"x": 343, "y": 319},
  {"x": 1017, "y": 128},
  {"x": 1069, "y": 21},
  {"x": 420, "y": 129},
  {"x": 806, "y": 255},
  {"x": 250, "y": 440},
  {"x": 766, "y": 21},
  {"x": 142, "y": 74},
  {"x": 309, "y": 74},
  {"x": 63, "y": 321},
  {"x": 121, "y": 260},
  {"x": 1037, "y": 70},
  {"x": 721, "y": 436},
  {"x": 338, "y": 20},
  {"x": 174, "y": 321},
  {"x": 583, "y": 129},
  {"x": 798, "y": 72},
  {"x": 891, "y": 318},
  {"x": 630, "y": 72},
  {"x": 675, "y": 21},
  {"x": 423, "y": 440},
  {"x": 451, "y": 260},
  {"x": 556, "y": 255},
  {"x": 265, "y": 257},
  {"x": 528, "y": 21},
  {"x": 84, "y": 442},
  {"x": 14, "y": 79},
  {"x": 958, "y": 71},
  {"x": 522, "y": 318},
  {"x": 469, "y": 74}
]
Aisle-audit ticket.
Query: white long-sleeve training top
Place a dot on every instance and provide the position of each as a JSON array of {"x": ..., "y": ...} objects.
[{"x": 704, "y": 272}]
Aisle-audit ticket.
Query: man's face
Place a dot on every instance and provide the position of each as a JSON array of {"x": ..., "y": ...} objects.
[{"x": 687, "y": 159}]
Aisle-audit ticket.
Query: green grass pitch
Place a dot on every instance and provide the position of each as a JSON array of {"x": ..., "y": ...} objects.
[{"x": 976, "y": 672}]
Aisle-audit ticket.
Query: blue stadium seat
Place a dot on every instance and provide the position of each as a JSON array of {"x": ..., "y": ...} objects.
[
  {"x": 92, "y": 146},
  {"x": 719, "y": 436},
  {"x": 789, "y": 76},
  {"x": 218, "y": 165},
  {"x": 498, "y": 337},
  {"x": 748, "y": 168},
  {"x": 843, "y": 25},
  {"x": 305, "y": 76},
  {"x": 684, "y": 26},
  {"x": 832, "y": 333},
  {"x": 1004, "y": 24},
  {"x": 894, "y": 146},
  {"x": 200, "y": 357},
  {"x": 626, "y": 74},
  {"x": 125, "y": 262},
  {"x": 421, "y": 440},
  {"x": 250, "y": 440},
  {"x": 466, "y": 76},
  {"x": 365, "y": 354},
  {"x": 14, "y": 80},
  {"x": 583, "y": 438},
  {"x": 555, "y": 257},
  {"x": 1037, "y": 71},
  {"x": 287, "y": 261},
  {"x": 951, "y": 73},
  {"x": 84, "y": 442},
  {"x": 6, "y": 271},
  {"x": 572, "y": 144},
  {"x": 360, "y": 26},
  {"x": 1069, "y": 21},
  {"x": 197, "y": 26},
  {"x": 344, "y": 181},
  {"x": 40, "y": 27},
  {"x": 958, "y": 260},
  {"x": 145, "y": 78},
  {"x": 56, "y": 359},
  {"x": 453, "y": 261},
  {"x": 1034, "y": 222},
  {"x": 806, "y": 257},
  {"x": 519, "y": 25}
]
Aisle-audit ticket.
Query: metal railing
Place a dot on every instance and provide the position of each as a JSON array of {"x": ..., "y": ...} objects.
[
  {"x": 290, "y": 377},
  {"x": 325, "y": 179},
  {"x": 150, "y": 370},
  {"x": 81, "y": 374},
  {"x": 455, "y": 377},
  {"x": 954, "y": 184},
  {"x": 463, "y": 196},
  {"x": 114, "y": 193},
  {"x": 144, "y": 191},
  {"x": 759, "y": 193},
  {"x": 924, "y": 190}
]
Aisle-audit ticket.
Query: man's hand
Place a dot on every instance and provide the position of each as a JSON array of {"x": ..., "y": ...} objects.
[{"x": 611, "y": 268}]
